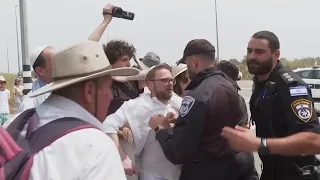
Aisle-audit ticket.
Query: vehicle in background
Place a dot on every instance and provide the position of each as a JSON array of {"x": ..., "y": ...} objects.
[{"x": 311, "y": 76}]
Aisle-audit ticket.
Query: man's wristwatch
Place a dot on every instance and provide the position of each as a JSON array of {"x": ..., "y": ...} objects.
[{"x": 263, "y": 149}]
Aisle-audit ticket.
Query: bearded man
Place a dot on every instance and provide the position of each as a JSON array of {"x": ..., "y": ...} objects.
[
  {"x": 281, "y": 105},
  {"x": 150, "y": 162}
]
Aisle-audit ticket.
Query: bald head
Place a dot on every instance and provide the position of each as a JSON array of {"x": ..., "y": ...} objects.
[{"x": 43, "y": 65}]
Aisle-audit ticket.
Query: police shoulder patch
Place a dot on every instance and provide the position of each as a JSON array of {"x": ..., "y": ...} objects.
[
  {"x": 288, "y": 77},
  {"x": 186, "y": 105},
  {"x": 303, "y": 109}
]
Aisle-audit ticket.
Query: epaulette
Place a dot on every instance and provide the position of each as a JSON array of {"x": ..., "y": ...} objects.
[{"x": 290, "y": 77}]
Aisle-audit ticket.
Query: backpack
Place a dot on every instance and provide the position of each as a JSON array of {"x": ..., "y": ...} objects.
[{"x": 16, "y": 150}]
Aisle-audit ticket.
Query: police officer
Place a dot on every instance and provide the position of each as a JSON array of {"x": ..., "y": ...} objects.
[
  {"x": 211, "y": 103},
  {"x": 281, "y": 105}
]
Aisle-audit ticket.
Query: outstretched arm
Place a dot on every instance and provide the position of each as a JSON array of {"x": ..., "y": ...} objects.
[{"x": 98, "y": 32}]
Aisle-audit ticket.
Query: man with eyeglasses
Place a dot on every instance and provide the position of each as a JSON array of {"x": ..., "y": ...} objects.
[
  {"x": 211, "y": 103},
  {"x": 151, "y": 162}
]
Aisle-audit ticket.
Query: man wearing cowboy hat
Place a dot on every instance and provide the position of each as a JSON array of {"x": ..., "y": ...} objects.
[
  {"x": 41, "y": 61},
  {"x": 80, "y": 89}
]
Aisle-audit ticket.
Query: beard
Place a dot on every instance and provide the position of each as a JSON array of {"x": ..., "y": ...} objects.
[
  {"x": 191, "y": 71},
  {"x": 259, "y": 68},
  {"x": 163, "y": 95}
]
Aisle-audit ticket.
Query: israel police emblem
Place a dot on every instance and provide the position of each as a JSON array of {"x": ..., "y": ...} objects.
[
  {"x": 186, "y": 105},
  {"x": 302, "y": 109}
]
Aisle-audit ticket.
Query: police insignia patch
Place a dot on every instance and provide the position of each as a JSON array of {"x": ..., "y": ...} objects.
[
  {"x": 186, "y": 105},
  {"x": 302, "y": 108},
  {"x": 287, "y": 77}
]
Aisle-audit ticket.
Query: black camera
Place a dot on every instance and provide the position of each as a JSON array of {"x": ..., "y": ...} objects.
[{"x": 119, "y": 13}]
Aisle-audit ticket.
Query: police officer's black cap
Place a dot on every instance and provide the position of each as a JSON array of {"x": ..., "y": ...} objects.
[{"x": 196, "y": 46}]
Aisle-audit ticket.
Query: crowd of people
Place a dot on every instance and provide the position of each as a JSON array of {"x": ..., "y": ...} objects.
[{"x": 91, "y": 114}]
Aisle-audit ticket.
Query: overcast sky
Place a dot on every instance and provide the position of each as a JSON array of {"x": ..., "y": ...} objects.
[{"x": 166, "y": 26}]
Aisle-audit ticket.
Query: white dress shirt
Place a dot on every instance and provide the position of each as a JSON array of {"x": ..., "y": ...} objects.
[
  {"x": 86, "y": 154},
  {"x": 137, "y": 113}
]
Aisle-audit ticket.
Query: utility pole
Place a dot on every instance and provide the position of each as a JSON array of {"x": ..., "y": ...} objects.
[
  {"x": 17, "y": 34},
  {"x": 8, "y": 57},
  {"x": 217, "y": 30},
  {"x": 26, "y": 68}
]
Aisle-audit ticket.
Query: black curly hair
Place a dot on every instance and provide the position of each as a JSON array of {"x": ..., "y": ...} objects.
[
  {"x": 117, "y": 48},
  {"x": 229, "y": 69}
]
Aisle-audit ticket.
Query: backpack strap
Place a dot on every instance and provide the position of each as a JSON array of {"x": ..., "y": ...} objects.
[
  {"x": 47, "y": 134},
  {"x": 17, "y": 125},
  {"x": 21, "y": 120}
]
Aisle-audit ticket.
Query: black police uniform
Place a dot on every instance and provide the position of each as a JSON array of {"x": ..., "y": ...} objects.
[
  {"x": 195, "y": 142},
  {"x": 282, "y": 106}
]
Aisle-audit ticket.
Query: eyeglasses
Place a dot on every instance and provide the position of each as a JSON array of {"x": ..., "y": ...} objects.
[
  {"x": 2, "y": 82},
  {"x": 166, "y": 80}
]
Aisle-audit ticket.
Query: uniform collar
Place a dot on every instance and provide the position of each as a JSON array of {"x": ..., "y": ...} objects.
[{"x": 198, "y": 78}]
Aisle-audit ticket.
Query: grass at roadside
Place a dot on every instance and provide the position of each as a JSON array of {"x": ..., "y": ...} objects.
[{"x": 9, "y": 85}]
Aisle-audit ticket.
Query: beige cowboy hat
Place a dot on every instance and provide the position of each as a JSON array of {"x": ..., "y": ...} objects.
[
  {"x": 146, "y": 63},
  {"x": 139, "y": 77},
  {"x": 178, "y": 69},
  {"x": 79, "y": 63}
]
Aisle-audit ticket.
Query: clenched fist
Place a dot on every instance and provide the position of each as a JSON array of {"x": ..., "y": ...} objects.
[
  {"x": 126, "y": 134},
  {"x": 108, "y": 9},
  {"x": 158, "y": 121},
  {"x": 171, "y": 117}
]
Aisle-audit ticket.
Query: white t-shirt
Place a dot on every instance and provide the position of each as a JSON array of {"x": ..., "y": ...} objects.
[{"x": 4, "y": 101}]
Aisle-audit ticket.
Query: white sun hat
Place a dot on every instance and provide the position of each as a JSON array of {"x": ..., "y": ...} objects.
[{"x": 178, "y": 69}]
